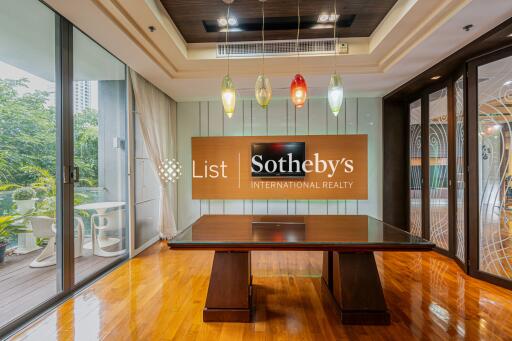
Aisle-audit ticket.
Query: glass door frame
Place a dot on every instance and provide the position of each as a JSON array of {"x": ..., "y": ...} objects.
[
  {"x": 461, "y": 72},
  {"x": 408, "y": 158},
  {"x": 425, "y": 111},
  {"x": 473, "y": 156},
  {"x": 65, "y": 180}
]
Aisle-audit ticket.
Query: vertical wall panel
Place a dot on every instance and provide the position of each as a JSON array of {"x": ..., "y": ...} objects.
[
  {"x": 204, "y": 122},
  {"x": 332, "y": 129},
  {"x": 317, "y": 118},
  {"x": 247, "y": 122},
  {"x": 234, "y": 126},
  {"x": 277, "y": 125},
  {"x": 369, "y": 113},
  {"x": 342, "y": 130},
  {"x": 281, "y": 118},
  {"x": 302, "y": 128},
  {"x": 351, "y": 121},
  {"x": 216, "y": 128},
  {"x": 259, "y": 128},
  {"x": 188, "y": 125}
]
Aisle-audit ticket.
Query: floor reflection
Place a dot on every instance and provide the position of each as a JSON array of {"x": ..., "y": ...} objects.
[{"x": 160, "y": 295}]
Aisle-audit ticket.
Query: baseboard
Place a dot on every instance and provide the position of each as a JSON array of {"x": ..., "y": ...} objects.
[{"x": 145, "y": 245}]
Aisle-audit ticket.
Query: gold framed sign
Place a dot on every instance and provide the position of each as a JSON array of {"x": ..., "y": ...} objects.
[{"x": 280, "y": 167}]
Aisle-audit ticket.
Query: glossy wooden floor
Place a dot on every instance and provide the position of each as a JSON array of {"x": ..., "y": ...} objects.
[{"x": 160, "y": 296}]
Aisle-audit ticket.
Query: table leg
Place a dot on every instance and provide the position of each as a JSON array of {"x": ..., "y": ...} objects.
[
  {"x": 327, "y": 269},
  {"x": 229, "y": 297},
  {"x": 357, "y": 289}
]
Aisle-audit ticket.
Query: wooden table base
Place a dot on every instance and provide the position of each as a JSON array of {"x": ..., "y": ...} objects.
[
  {"x": 229, "y": 296},
  {"x": 354, "y": 281},
  {"x": 352, "y": 278}
]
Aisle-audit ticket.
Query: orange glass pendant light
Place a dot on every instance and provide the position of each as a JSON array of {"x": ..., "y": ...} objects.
[
  {"x": 298, "y": 87},
  {"x": 298, "y": 91}
]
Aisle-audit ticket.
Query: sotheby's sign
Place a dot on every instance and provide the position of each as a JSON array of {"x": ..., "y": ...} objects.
[{"x": 280, "y": 167}]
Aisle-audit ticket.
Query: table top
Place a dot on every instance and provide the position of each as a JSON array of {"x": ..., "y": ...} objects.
[
  {"x": 100, "y": 205},
  {"x": 311, "y": 232}
]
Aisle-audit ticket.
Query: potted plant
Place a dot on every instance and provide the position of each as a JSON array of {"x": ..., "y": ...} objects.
[
  {"x": 25, "y": 199},
  {"x": 8, "y": 229}
]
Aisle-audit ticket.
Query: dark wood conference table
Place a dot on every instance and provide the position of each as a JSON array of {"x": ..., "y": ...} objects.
[{"x": 349, "y": 270}]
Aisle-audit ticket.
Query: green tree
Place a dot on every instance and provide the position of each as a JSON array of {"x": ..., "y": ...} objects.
[
  {"x": 27, "y": 132},
  {"x": 28, "y": 138}
]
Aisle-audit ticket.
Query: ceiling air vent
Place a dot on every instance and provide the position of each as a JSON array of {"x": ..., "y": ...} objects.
[{"x": 280, "y": 48}]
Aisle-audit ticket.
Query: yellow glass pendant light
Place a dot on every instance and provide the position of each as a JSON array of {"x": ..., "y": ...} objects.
[{"x": 228, "y": 91}]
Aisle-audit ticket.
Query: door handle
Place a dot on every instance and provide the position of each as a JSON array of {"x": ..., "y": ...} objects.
[
  {"x": 75, "y": 174},
  {"x": 71, "y": 174}
]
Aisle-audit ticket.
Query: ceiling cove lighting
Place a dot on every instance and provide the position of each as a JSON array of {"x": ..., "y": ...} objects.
[
  {"x": 262, "y": 88},
  {"x": 434, "y": 78},
  {"x": 228, "y": 92},
  {"x": 298, "y": 87},
  {"x": 335, "y": 89}
]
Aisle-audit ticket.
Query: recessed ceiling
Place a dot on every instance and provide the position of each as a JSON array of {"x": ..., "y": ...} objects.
[{"x": 197, "y": 20}]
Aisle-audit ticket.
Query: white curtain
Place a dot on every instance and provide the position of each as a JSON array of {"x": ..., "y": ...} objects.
[{"x": 154, "y": 110}]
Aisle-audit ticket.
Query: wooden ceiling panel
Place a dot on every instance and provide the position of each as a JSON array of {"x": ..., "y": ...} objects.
[{"x": 190, "y": 17}]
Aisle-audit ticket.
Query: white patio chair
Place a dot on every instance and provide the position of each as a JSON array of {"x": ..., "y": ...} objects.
[
  {"x": 102, "y": 224},
  {"x": 42, "y": 228},
  {"x": 79, "y": 236}
]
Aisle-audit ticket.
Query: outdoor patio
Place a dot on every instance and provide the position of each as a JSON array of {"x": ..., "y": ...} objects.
[{"x": 23, "y": 287}]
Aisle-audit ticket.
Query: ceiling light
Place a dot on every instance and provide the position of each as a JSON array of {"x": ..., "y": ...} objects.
[
  {"x": 232, "y": 21},
  {"x": 222, "y": 22},
  {"x": 507, "y": 83},
  {"x": 323, "y": 18},
  {"x": 435, "y": 78},
  {"x": 509, "y": 35},
  {"x": 333, "y": 17}
]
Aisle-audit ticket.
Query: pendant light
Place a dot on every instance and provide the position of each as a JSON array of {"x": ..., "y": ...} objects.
[
  {"x": 262, "y": 88},
  {"x": 298, "y": 88},
  {"x": 228, "y": 92},
  {"x": 335, "y": 90}
]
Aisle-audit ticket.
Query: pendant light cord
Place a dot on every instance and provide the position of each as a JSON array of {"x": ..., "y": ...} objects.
[
  {"x": 263, "y": 34},
  {"x": 334, "y": 35},
  {"x": 298, "y": 32},
  {"x": 227, "y": 32}
]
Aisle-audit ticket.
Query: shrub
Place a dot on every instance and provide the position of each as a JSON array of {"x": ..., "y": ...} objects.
[
  {"x": 24, "y": 193},
  {"x": 41, "y": 192}
]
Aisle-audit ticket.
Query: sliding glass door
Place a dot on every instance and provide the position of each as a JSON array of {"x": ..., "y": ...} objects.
[
  {"x": 438, "y": 168},
  {"x": 415, "y": 172},
  {"x": 99, "y": 130},
  {"x": 63, "y": 160},
  {"x": 493, "y": 232},
  {"x": 29, "y": 275},
  {"x": 460, "y": 171}
]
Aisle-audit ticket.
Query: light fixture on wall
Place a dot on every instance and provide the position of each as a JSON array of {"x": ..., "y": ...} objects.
[
  {"x": 298, "y": 87},
  {"x": 262, "y": 88},
  {"x": 228, "y": 92},
  {"x": 335, "y": 90}
]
